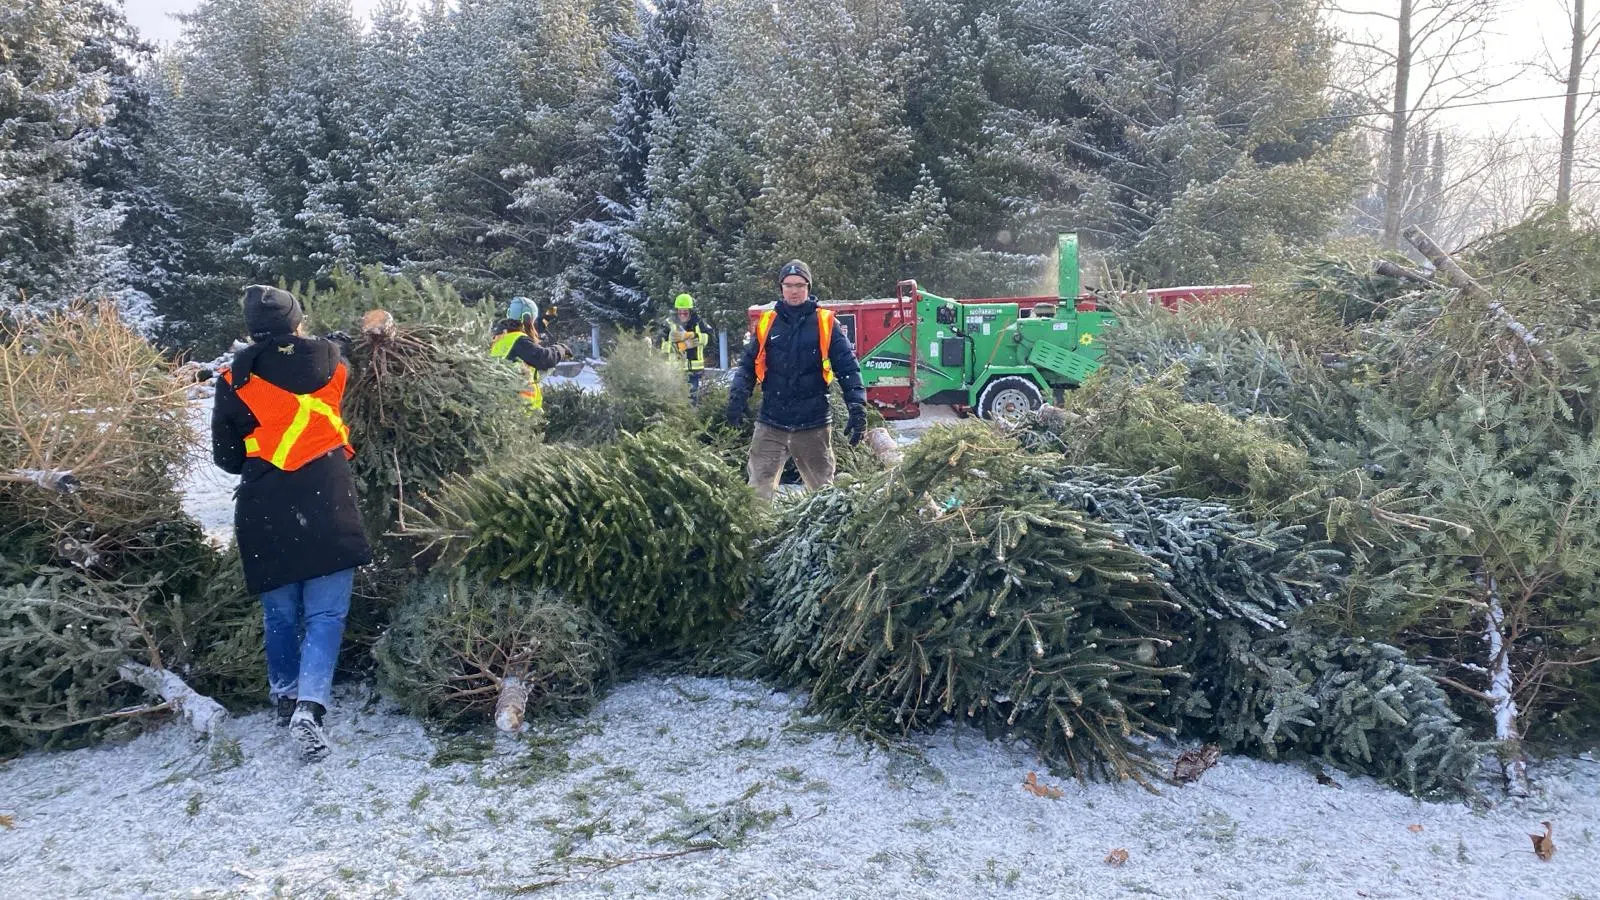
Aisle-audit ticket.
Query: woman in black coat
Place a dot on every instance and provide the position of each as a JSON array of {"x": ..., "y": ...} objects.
[{"x": 276, "y": 424}]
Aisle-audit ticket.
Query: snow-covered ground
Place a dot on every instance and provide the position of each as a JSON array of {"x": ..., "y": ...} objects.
[
  {"x": 684, "y": 787},
  {"x": 906, "y": 431},
  {"x": 585, "y": 375},
  {"x": 207, "y": 490}
]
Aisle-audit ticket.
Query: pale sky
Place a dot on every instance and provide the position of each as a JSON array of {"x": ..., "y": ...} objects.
[
  {"x": 154, "y": 19},
  {"x": 1522, "y": 33}
]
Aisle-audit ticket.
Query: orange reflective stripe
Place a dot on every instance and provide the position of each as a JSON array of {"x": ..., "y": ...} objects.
[{"x": 824, "y": 337}]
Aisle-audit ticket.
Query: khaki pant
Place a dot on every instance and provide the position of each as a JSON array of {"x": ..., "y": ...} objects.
[{"x": 771, "y": 448}]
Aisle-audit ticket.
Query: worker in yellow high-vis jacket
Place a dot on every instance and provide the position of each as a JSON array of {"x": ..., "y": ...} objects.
[
  {"x": 512, "y": 342},
  {"x": 686, "y": 340}
]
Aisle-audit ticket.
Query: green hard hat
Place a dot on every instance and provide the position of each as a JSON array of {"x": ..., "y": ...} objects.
[{"x": 683, "y": 301}]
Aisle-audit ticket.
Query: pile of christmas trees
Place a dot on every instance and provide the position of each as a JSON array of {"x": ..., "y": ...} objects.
[
  {"x": 428, "y": 408},
  {"x": 515, "y": 563},
  {"x": 1435, "y": 427},
  {"x": 520, "y": 563},
  {"x": 1353, "y": 517},
  {"x": 106, "y": 602},
  {"x": 1084, "y": 611}
]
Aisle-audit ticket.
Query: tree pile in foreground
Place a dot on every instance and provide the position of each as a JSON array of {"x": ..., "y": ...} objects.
[
  {"x": 1449, "y": 422},
  {"x": 650, "y": 532},
  {"x": 957, "y": 594},
  {"x": 106, "y": 586},
  {"x": 1073, "y": 607}
]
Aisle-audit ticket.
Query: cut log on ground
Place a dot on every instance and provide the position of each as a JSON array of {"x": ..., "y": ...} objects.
[
  {"x": 378, "y": 324},
  {"x": 512, "y": 704},
  {"x": 884, "y": 447}
]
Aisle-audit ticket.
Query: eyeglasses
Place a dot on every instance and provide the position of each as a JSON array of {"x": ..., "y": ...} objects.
[{"x": 796, "y": 284}]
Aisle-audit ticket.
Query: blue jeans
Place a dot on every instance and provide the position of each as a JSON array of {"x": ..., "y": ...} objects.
[{"x": 304, "y": 625}]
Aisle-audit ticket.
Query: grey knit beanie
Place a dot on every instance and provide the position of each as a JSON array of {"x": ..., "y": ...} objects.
[
  {"x": 794, "y": 267},
  {"x": 270, "y": 311}
]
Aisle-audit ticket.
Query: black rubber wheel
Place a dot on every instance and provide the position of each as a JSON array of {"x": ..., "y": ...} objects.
[{"x": 1009, "y": 398}]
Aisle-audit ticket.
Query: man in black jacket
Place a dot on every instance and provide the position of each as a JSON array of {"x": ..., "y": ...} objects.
[
  {"x": 794, "y": 354},
  {"x": 276, "y": 423}
]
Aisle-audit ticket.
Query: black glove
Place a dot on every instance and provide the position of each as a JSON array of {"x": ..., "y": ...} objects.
[
  {"x": 855, "y": 428},
  {"x": 339, "y": 337},
  {"x": 735, "y": 414}
]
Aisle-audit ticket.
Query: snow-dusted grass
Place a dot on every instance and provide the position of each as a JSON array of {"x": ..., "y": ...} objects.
[{"x": 757, "y": 801}]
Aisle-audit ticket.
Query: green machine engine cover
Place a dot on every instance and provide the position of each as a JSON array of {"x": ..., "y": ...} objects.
[{"x": 1057, "y": 358}]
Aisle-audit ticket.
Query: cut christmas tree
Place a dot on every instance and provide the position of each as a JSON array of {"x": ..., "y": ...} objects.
[
  {"x": 460, "y": 650},
  {"x": 652, "y": 532}
]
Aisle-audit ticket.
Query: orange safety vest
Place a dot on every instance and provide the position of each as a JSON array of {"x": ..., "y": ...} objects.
[
  {"x": 824, "y": 336},
  {"x": 294, "y": 429}
]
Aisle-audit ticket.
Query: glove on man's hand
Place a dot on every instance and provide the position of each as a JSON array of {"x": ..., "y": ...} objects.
[{"x": 856, "y": 426}]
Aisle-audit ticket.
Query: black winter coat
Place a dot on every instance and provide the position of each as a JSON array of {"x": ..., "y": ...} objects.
[
  {"x": 291, "y": 526},
  {"x": 794, "y": 397},
  {"x": 531, "y": 352}
]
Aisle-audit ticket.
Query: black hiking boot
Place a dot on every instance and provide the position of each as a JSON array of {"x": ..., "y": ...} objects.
[
  {"x": 306, "y": 728},
  {"x": 285, "y": 711}
]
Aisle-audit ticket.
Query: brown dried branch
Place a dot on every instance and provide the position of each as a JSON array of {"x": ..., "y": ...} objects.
[{"x": 81, "y": 393}]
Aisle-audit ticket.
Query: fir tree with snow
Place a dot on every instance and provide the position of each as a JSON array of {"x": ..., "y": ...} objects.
[
  {"x": 50, "y": 104},
  {"x": 603, "y": 282}
]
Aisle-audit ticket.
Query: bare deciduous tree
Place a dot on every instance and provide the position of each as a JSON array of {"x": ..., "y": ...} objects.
[
  {"x": 1580, "y": 106},
  {"x": 1415, "y": 59}
]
